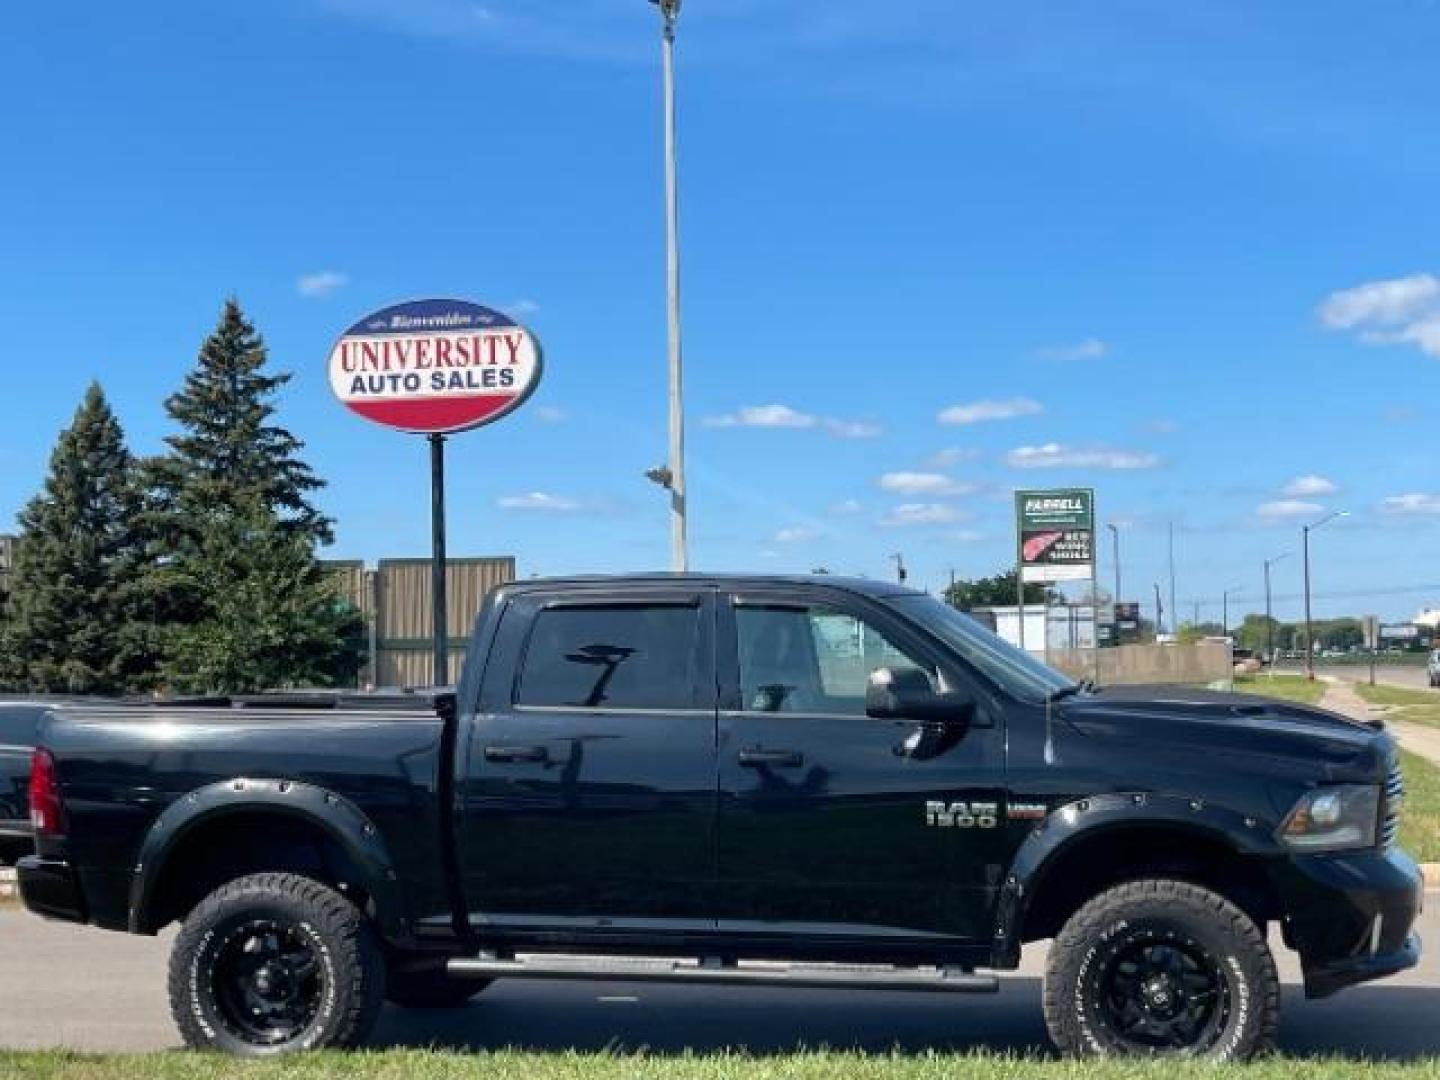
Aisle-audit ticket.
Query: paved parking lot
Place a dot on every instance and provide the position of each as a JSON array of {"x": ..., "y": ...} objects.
[{"x": 72, "y": 987}]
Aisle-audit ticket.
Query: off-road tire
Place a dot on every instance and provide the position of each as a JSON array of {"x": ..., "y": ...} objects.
[
  {"x": 413, "y": 986},
  {"x": 347, "y": 957},
  {"x": 1128, "y": 915}
]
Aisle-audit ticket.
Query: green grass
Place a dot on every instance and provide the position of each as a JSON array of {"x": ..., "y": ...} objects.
[
  {"x": 1416, "y": 706},
  {"x": 1289, "y": 687},
  {"x": 428, "y": 1065},
  {"x": 1420, "y": 819}
]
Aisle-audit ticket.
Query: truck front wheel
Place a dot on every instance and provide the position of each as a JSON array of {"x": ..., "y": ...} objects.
[
  {"x": 1161, "y": 967},
  {"x": 274, "y": 963}
]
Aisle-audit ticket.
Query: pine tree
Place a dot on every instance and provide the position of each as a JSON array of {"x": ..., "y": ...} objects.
[
  {"x": 229, "y": 454},
  {"x": 74, "y": 617},
  {"x": 246, "y": 603},
  {"x": 273, "y": 619}
]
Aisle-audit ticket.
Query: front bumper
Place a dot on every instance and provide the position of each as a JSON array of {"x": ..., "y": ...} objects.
[
  {"x": 50, "y": 888},
  {"x": 1351, "y": 916}
]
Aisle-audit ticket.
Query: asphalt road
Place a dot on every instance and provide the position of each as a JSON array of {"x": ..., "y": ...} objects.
[{"x": 85, "y": 989}]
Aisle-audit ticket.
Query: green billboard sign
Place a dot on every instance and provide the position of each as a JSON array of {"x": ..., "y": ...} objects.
[{"x": 1055, "y": 534}]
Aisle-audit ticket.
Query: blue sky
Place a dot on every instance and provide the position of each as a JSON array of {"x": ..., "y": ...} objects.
[{"x": 934, "y": 251}]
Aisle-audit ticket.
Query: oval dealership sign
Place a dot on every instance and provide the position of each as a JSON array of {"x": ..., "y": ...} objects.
[{"x": 435, "y": 366}]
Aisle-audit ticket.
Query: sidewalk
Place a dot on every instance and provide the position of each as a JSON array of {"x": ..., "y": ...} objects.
[{"x": 1417, "y": 738}]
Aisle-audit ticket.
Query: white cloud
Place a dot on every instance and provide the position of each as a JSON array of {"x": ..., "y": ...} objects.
[
  {"x": 1396, "y": 311},
  {"x": 950, "y": 457},
  {"x": 853, "y": 429},
  {"x": 1307, "y": 487},
  {"x": 1089, "y": 349},
  {"x": 762, "y": 416},
  {"x": 921, "y": 514},
  {"x": 1059, "y": 456},
  {"x": 1288, "y": 508},
  {"x": 979, "y": 411},
  {"x": 540, "y": 500},
  {"x": 1413, "y": 503},
  {"x": 847, "y": 506},
  {"x": 966, "y": 536},
  {"x": 321, "y": 284},
  {"x": 922, "y": 483},
  {"x": 551, "y": 414},
  {"x": 1162, "y": 426},
  {"x": 523, "y": 308},
  {"x": 795, "y": 534},
  {"x": 783, "y": 416}
]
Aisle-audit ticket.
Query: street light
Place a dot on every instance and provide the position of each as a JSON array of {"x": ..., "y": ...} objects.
[
  {"x": 1305, "y": 531},
  {"x": 1269, "y": 616},
  {"x": 1115, "y": 537},
  {"x": 1225, "y": 609},
  {"x": 679, "y": 546}
]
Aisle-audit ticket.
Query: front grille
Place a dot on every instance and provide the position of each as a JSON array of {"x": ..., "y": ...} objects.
[{"x": 1394, "y": 800}]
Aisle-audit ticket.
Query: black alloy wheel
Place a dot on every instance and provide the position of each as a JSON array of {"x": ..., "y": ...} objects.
[
  {"x": 1164, "y": 993},
  {"x": 266, "y": 981}
]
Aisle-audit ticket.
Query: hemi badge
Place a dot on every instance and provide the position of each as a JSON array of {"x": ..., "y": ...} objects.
[{"x": 1027, "y": 811}]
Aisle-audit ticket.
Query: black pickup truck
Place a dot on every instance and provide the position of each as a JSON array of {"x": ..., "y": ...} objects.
[{"x": 732, "y": 780}]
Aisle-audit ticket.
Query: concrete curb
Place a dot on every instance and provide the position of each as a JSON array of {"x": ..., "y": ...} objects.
[{"x": 1431, "y": 872}]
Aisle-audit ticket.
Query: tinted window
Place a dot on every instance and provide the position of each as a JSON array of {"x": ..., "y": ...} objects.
[
  {"x": 18, "y": 726},
  {"x": 612, "y": 658},
  {"x": 809, "y": 660}
]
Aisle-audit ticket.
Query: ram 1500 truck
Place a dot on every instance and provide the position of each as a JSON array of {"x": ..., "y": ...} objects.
[{"x": 750, "y": 781}]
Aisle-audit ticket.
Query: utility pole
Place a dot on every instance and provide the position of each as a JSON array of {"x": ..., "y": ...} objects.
[
  {"x": 1225, "y": 609},
  {"x": 1269, "y": 614},
  {"x": 1174, "y": 610},
  {"x": 1159, "y": 611},
  {"x": 1115, "y": 537},
  {"x": 901, "y": 574},
  {"x": 675, "y": 480},
  {"x": 1305, "y": 531}
]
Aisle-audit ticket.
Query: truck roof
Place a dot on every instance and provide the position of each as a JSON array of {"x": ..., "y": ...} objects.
[{"x": 861, "y": 586}]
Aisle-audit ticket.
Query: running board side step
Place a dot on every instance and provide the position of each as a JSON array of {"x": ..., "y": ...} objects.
[{"x": 807, "y": 976}]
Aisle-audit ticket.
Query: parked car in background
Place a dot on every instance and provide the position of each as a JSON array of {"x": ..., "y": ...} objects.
[
  {"x": 1434, "y": 668},
  {"x": 18, "y": 723}
]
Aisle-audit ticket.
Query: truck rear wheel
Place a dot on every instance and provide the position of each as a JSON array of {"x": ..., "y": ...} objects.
[
  {"x": 1161, "y": 967},
  {"x": 275, "y": 963},
  {"x": 428, "y": 987}
]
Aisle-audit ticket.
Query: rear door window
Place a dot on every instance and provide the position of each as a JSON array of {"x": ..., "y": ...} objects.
[{"x": 613, "y": 657}]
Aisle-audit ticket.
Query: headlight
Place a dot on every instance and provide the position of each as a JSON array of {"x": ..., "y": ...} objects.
[{"x": 1334, "y": 819}]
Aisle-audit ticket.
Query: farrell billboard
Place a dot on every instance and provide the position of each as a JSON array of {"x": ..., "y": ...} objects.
[{"x": 1055, "y": 534}]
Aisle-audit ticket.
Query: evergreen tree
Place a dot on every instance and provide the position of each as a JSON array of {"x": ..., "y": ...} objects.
[
  {"x": 273, "y": 617},
  {"x": 228, "y": 453},
  {"x": 246, "y": 603},
  {"x": 74, "y": 620}
]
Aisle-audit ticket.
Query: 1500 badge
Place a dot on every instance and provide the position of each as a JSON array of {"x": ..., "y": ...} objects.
[
  {"x": 962, "y": 815},
  {"x": 978, "y": 815}
]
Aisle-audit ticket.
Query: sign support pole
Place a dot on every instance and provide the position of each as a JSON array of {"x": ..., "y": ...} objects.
[{"x": 439, "y": 600}]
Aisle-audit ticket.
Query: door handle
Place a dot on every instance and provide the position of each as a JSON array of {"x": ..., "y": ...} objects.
[
  {"x": 511, "y": 755},
  {"x": 774, "y": 759}
]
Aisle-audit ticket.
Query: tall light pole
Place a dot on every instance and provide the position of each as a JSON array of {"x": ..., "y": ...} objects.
[
  {"x": 1269, "y": 614},
  {"x": 1174, "y": 611},
  {"x": 675, "y": 478},
  {"x": 1115, "y": 547},
  {"x": 1225, "y": 609},
  {"x": 1305, "y": 531}
]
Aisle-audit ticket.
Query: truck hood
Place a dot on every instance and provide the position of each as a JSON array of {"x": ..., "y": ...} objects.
[{"x": 1292, "y": 737}]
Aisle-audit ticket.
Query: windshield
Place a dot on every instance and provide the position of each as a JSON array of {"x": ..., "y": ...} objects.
[{"x": 1014, "y": 670}]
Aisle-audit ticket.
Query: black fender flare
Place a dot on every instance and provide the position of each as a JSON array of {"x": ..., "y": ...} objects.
[
  {"x": 1085, "y": 818},
  {"x": 333, "y": 814}
]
